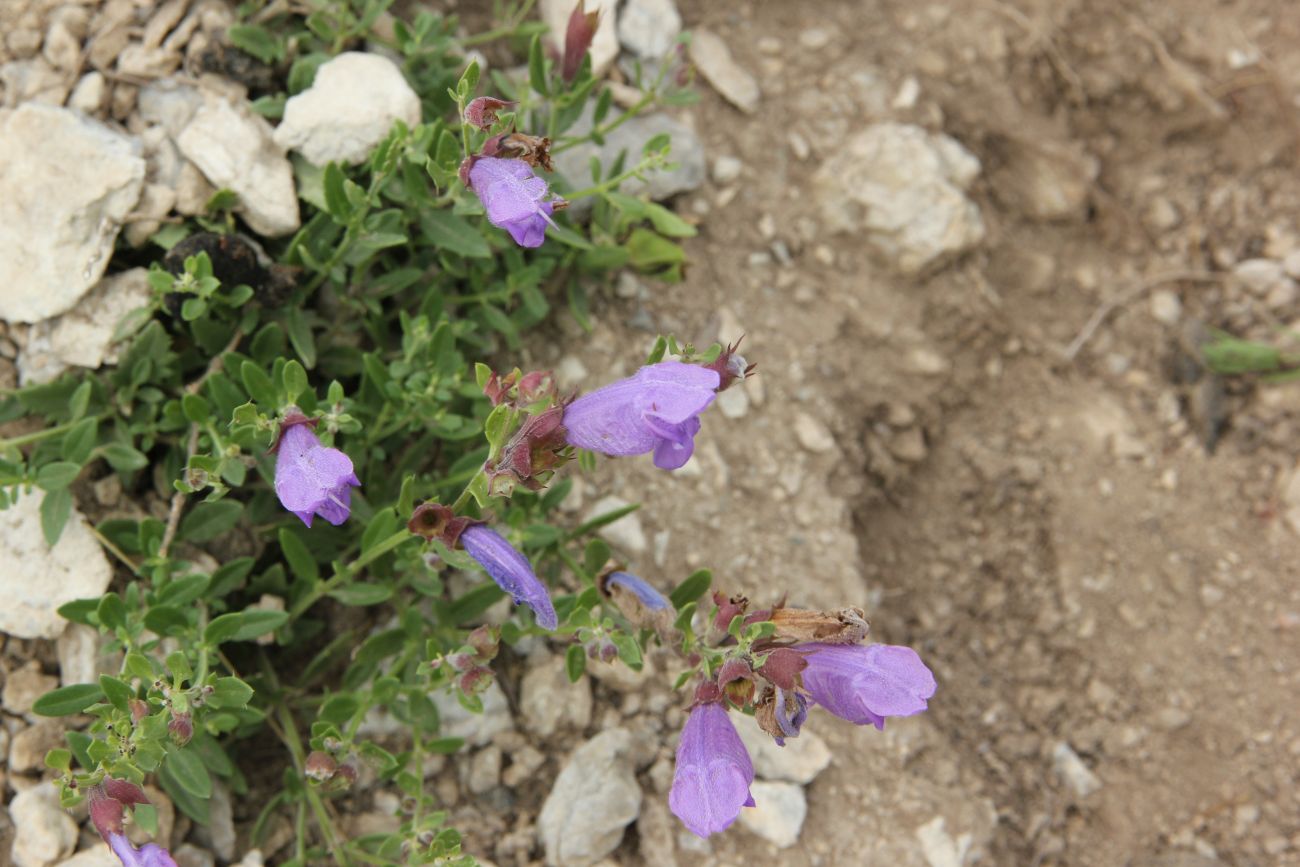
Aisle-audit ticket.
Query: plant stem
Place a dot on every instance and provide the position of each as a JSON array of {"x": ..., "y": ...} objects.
[
  {"x": 46, "y": 433},
  {"x": 633, "y": 110},
  {"x": 289, "y": 729},
  {"x": 612, "y": 183},
  {"x": 348, "y": 571}
]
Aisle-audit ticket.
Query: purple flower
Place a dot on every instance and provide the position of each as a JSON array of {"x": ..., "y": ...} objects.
[
  {"x": 790, "y": 710},
  {"x": 514, "y": 198},
  {"x": 148, "y": 855},
  {"x": 311, "y": 479},
  {"x": 656, "y": 409},
  {"x": 510, "y": 570},
  {"x": 645, "y": 594},
  {"x": 713, "y": 775},
  {"x": 865, "y": 684}
]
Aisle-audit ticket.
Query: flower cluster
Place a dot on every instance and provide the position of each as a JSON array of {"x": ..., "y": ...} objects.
[
  {"x": 781, "y": 680},
  {"x": 778, "y": 663},
  {"x": 502, "y": 175}
]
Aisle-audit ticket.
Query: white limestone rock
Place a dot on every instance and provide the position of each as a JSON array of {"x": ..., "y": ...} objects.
[
  {"x": 351, "y": 105},
  {"x": 235, "y": 150},
  {"x": 37, "y": 579},
  {"x": 66, "y": 183}
]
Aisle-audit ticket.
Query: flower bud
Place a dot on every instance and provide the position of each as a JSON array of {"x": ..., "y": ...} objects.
[
  {"x": 482, "y": 111},
  {"x": 139, "y": 709},
  {"x": 736, "y": 679},
  {"x": 319, "y": 766},
  {"x": 436, "y": 521},
  {"x": 181, "y": 729}
]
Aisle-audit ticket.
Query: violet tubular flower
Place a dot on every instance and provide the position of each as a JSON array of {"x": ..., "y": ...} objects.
[
  {"x": 865, "y": 684},
  {"x": 713, "y": 774},
  {"x": 311, "y": 479},
  {"x": 656, "y": 409},
  {"x": 514, "y": 198},
  {"x": 511, "y": 570},
  {"x": 649, "y": 597},
  {"x": 148, "y": 855}
]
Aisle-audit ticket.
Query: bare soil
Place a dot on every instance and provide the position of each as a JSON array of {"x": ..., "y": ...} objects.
[{"x": 1088, "y": 552}]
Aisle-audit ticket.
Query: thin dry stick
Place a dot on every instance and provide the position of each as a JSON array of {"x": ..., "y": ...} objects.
[
  {"x": 178, "y": 498},
  {"x": 1134, "y": 292}
]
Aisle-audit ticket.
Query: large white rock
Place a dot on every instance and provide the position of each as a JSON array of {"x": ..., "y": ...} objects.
[
  {"x": 349, "y": 108},
  {"x": 649, "y": 28},
  {"x": 604, "y": 46},
  {"x": 43, "y": 831},
  {"x": 37, "y": 579},
  {"x": 594, "y": 798},
  {"x": 904, "y": 188},
  {"x": 84, "y": 336},
  {"x": 799, "y": 761},
  {"x": 235, "y": 150},
  {"x": 66, "y": 183},
  {"x": 778, "y": 814}
]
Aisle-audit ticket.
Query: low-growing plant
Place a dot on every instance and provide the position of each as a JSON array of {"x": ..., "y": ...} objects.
[{"x": 321, "y": 432}]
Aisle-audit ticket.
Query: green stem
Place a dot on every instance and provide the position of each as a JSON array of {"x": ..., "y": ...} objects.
[
  {"x": 347, "y": 572},
  {"x": 498, "y": 32},
  {"x": 37, "y": 436},
  {"x": 612, "y": 183},
  {"x": 633, "y": 110},
  {"x": 294, "y": 743}
]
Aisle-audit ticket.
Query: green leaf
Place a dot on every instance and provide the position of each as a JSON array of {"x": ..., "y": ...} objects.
[
  {"x": 294, "y": 378},
  {"x": 336, "y": 201},
  {"x": 190, "y": 772},
  {"x": 657, "y": 351},
  {"x": 191, "y": 805},
  {"x": 695, "y": 586},
  {"x": 575, "y": 662},
  {"x": 537, "y": 66},
  {"x": 229, "y": 577},
  {"x": 111, "y": 612},
  {"x": 243, "y": 625},
  {"x": 56, "y": 508},
  {"x": 258, "y": 385},
  {"x": 669, "y": 223},
  {"x": 207, "y": 521},
  {"x": 59, "y": 759},
  {"x": 183, "y": 591},
  {"x": 301, "y": 562},
  {"x": 468, "y": 79},
  {"x": 257, "y": 41},
  {"x": 628, "y": 650},
  {"x": 196, "y": 408},
  {"x": 230, "y": 692},
  {"x": 362, "y": 594},
  {"x": 495, "y": 427},
  {"x": 124, "y": 458},
  {"x": 601, "y": 520},
  {"x": 79, "y": 441},
  {"x": 300, "y": 336},
  {"x": 117, "y": 692},
  {"x": 472, "y": 603},
  {"x": 57, "y": 476},
  {"x": 167, "y": 620},
  {"x": 447, "y": 231},
  {"x": 68, "y": 700}
]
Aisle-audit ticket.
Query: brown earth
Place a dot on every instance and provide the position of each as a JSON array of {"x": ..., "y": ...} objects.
[{"x": 1052, "y": 534}]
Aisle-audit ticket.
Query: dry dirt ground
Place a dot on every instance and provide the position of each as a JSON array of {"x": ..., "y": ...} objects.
[{"x": 1053, "y": 535}]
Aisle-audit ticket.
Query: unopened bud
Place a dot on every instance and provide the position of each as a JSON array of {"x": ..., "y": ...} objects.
[
  {"x": 320, "y": 766},
  {"x": 181, "y": 729}
]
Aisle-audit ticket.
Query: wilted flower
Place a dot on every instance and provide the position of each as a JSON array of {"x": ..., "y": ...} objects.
[
  {"x": 482, "y": 111},
  {"x": 311, "y": 479},
  {"x": 181, "y": 728},
  {"x": 781, "y": 713},
  {"x": 436, "y": 521},
  {"x": 107, "y": 801},
  {"x": 514, "y": 197},
  {"x": 532, "y": 454},
  {"x": 656, "y": 409},
  {"x": 865, "y": 684},
  {"x": 616, "y": 583},
  {"x": 730, "y": 366},
  {"x": 713, "y": 774},
  {"x": 511, "y": 570}
]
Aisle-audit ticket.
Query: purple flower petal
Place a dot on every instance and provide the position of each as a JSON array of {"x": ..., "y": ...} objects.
[
  {"x": 713, "y": 773},
  {"x": 148, "y": 855},
  {"x": 513, "y": 197},
  {"x": 648, "y": 596},
  {"x": 511, "y": 570},
  {"x": 311, "y": 479},
  {"x": 866, "y": 684},
  {"x": 656, "y": 409}
]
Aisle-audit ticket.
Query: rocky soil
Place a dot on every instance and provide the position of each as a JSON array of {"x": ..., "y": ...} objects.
[{"x": 972, "y": 248}]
